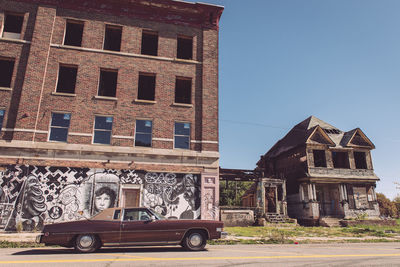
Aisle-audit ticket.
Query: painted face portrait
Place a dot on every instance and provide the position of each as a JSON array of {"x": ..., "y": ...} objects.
[{"x": 104, "y": 199}]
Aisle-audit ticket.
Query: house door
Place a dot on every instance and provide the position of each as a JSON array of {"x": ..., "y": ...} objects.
[
  {"x": 270, "y": 200},
  {"x": 130, "y": 197}
]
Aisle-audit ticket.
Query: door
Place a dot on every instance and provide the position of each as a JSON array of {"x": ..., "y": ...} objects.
[
  {"x": 270, "y": 200},
  {"x": 130, "y": 197}
]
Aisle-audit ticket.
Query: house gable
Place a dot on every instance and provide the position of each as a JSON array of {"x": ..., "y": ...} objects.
[
  {"x": 318, "y": 136},
  {"x": 359, "y": 139}
]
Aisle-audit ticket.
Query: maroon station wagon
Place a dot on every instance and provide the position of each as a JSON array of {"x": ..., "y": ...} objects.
[{"x": 130, "y": 227}]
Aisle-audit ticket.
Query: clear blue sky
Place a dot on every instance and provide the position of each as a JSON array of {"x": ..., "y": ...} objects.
[{"x": 284, "y": 60}]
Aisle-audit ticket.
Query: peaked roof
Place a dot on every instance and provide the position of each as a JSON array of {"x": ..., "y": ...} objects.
[{"x": 303, "y": 132}]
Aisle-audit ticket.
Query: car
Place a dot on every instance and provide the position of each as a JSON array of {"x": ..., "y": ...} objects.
[{"x": 130, "y": 227}]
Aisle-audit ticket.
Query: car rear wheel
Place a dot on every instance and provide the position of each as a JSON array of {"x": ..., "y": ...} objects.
[
  {"x": 194, "y": 241},
  {"x": 86, "y": 243}
]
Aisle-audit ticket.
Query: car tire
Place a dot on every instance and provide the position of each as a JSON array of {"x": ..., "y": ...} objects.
[
  {"x": 87, "y": 243},
  {"x": 194, "y": 241}
]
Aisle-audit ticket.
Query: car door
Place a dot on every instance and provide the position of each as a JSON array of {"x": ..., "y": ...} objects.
[{"x": 137, "y": 227}]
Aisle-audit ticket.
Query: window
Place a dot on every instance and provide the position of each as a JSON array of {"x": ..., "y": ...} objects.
[
  {"x": 149, "y": 43},
  {"x": 112, "y": 38},
  {"x": 59, "y": 127},
  {"x": 143, "y": 133},
  {"x": 136, "y": 215},
  {"x": 147, "y": 84},
  {"x": 2, "y": 112},
  {"x": 13, "y": 26},
  {"x": 185, "y": 48},
  {"x": 319, "y": 158},
  {"x": 360, "y": 160},
  {"x": 108, "y": 83},
  {"x": 182, "y": 135},
  {"x": 6, "y": 70},
  {"x": 102, "y": 130},
  {"x": 66, "y": 79},
  {"x": 73, "y": 33},
  {"x": 117, "y": 214},
  {"x": 340, "y": 159},
  {"x": 183, "y": 90}
]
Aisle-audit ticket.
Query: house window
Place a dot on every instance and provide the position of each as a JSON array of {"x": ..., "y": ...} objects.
[
  {"x": 13, "y": 26},
  {"x": 185, "y": 48},
  {"x": 143, "y": 133},
  {"x": 66, "y": 79},
  {"x": 360, "y": 160},
  {"x": 73, "y": 33},
  {"x": 147, "y": 85},
  {"x": 340, "y": 159},
  {"x": 112, "y": 38},
  {"x": 319, "y": 158},
  {"x": 183, "y": 90},
  {"x": 59, "y": 127},
  {"x": 102, "y": 130},
  {"x": 182, "y": 135},
  {"x": 108, "y": 83},
  {"x": 2, "y": 112},
  {"x": 6, "y": 70},
  {"x": 149, "y": 43}
]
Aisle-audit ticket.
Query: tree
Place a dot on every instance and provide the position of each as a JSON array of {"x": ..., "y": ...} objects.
[
  {"x": 396, "y": 202},
  {"x": 386, "y": 207},
  {"x": 231, "y": 192}
]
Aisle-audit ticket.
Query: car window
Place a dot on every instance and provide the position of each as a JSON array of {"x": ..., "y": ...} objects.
[
  {"x": 144, "y": 215},
  {"x": 117, "y": 214},
  {"x": 131, "y": 215}
]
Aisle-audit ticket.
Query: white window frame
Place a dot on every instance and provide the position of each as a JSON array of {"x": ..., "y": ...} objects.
[
  {"x": 151, "y": 134},
  {"x": 190, "y": 132},
  {"x": 94, "y": 129},
  {"x": 50, "y": 126}
]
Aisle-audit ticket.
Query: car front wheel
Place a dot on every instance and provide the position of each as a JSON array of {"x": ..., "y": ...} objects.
[
  {"x": 194, "y": 241},
  {"x": 86, "y": 243}
]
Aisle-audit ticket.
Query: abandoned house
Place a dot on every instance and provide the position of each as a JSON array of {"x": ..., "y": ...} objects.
[
  {"x": 328, "y": 172},
  {"x": 107, "y": 103}
]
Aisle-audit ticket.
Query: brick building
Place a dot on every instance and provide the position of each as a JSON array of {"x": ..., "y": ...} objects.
[{"x": 106, "y": 103}]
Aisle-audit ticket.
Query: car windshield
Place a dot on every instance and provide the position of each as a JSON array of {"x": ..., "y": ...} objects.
[{"x": 158, "y": 215}]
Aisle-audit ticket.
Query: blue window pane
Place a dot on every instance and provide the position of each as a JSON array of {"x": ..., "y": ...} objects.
[
  {"x": 59, "y": 134},
  {"x": 182, "y": 142},
  {"x": 143, "y": 126},
  {"x": 60, "y": 119},
  {"x": 103, "y": 123},
  {"x": 1, "y": 118},
  {"x": 102, "y": 137},
  {"x": 143, "y": 139},
  {"x": 182, "y": 128}
]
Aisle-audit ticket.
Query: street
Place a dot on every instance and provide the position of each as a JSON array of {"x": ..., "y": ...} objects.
[{"x": 360, "y": 254}]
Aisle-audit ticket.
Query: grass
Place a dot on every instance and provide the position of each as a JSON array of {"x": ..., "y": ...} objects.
[{"x": 8, "y": 244}]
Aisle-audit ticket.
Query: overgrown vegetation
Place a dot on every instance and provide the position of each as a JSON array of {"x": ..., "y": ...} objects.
[
  {"x": 387, "y": 207},
  {"x": 231, "y": 192},
  {"x": 8, "y": 244}
]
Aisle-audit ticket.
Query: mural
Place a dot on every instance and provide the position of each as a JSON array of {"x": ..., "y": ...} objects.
[{"x": 31, "y": 196}]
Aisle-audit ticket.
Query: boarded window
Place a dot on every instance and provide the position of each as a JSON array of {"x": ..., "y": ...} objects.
[
  {"x": 147, "y": 85},
  {"x": 59, "y": 127},
  {"x": 360, "y": 198},
  {"x": 182, "y": 135},
  {"x": 143, "y": 134},
  {"x": 2, "y": 113},
  {"x": 13, "y": 26},
  {"x": 360, "y": 160},
  {"x": 319, "y": 158},
  {"x": 108, "y": 83},
  {"x": 66, "y": 79},
  {"x": 350, "y": 196},
  {"x": 112, "y": 38},
  {"x": 183, "y": 90},
  {"x": 185, "y": 48},
  {"x": 73, "y": 33},
  {"x": 102, "y": 130},
  {"x": 149, "y": 43},
  {"x": 340, "y": 159},
  {"x": 6, "y": 70}
]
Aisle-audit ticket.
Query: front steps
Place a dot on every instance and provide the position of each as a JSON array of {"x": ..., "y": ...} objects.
[{"x": 329, "y": 222}]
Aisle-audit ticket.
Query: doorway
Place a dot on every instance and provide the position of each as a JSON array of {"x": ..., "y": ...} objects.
[{"x": 130, "y": 197}]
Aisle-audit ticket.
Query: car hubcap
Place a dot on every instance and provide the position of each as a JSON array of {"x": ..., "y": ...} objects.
[
  {"x": 86, "y": 241},
  {"x": 195, "y": 240}
]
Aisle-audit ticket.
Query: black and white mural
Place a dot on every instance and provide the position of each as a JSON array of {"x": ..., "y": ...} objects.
[{"x": 31, "y": 196}]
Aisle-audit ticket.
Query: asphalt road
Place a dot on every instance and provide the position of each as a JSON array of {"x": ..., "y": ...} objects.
[{"x": 365, "y": 254}]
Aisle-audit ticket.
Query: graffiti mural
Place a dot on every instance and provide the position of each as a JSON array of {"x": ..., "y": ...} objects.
[{"x": 31, "y": 196}]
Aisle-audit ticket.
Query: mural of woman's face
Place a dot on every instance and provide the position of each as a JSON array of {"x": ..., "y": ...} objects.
[{"x": 102, "y": 202}]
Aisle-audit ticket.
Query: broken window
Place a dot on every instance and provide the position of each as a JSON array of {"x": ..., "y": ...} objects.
[
  {"x": 149, "y": 43},
  {"x": 2, "y": 112},
  {"x": 6, "y": 70},
  {"x": 13, "y": 26},
  {"x": 143, "y": 133},
  {"x": 59, "y": 127},
  {"x": 108, "y": 83},
  {"x": 102, "y": 130},
  {"x": 183, "y": 90},
  {"x": 112, "y": 38},
  {"x": 66, "y": 79},
  {"x": 185, "y": 48},
  {"x": 340, "y": 159},
  {"x": 73, "y": 33},
  {"x": 182, "y": 135},
  {"x": 360, "y": 160},
  {"x": 319, "y": 158},
  {"x": 147, "y": 85}
]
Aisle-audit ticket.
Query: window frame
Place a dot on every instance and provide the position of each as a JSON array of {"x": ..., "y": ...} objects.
[
  {"x": 12, "y": 71},
  {"x": 58, "y": 77},
  {"x": 149, "y": 32},
  {"x": 364, "y": 160},
  {"x": 186, "y": 37},
  {"x": 72, "y": 21},
  {"x": 59, "y": 127},
  {"x": 112, "y": 26},
  {"x": 103, "y": 130},
  {"x": 347, "y": 161},
  {"x": 191, "y": 89},
  {"x": 155, "y": 85},
  {"x": 4, "y": 24},
  {"x": 175, "y": 135},
  {"x": 99, "y": 82},
  {"x": 2, "y": 110},
  {"x": 151, "y": 133},
  {"x": 314, "y": 151}
]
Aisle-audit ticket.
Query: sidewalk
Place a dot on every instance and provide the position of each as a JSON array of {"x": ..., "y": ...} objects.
[{"x": 18, "y": 237}]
